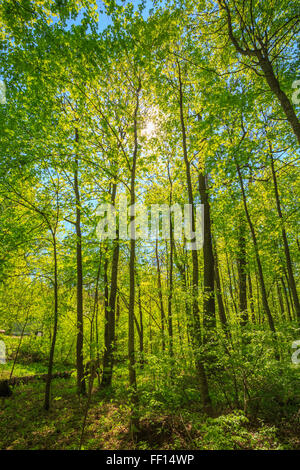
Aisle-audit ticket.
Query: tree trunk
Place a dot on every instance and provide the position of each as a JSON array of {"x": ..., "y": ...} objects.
[
  {"x": 222, "y": 314},
  {"x": 52, "y": 349},
  {"x": 291, "y": 278},
  {"x": 266, "y": 66},
  {"x": 109, "y": 338},
  {"x": 230, "y": 283},
  {"x": 161, "y": 302},
  {"x": 134, "y": 421},
  {"x": 196, "y": 331},
  {"x": 286, "y": 299},
  {"x": 170, "y": 293},
  {"x": 258, "y": 262},
  {"x": 81, "y": 388},
  {"x": 141, "y": 328},
  {"x": 280, "y": 299},
  {"x": 242, "y": 273},
  {"x": 251, "y": 298},
  {"x": 209, "y": 320},
  {"x": 274, "y": 85}
]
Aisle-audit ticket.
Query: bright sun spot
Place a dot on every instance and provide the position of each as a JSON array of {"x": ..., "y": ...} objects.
[{"x": 149, "y": 129}]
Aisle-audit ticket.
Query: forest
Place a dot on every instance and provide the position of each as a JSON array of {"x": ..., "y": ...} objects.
[{"x": 149, "y": 189}]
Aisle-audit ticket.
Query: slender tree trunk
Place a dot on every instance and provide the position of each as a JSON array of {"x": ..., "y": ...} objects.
[
  {"x": 134, "y": 421},
  {"x": 53, "y": 341},
  {"x": 280, "y": 299},
  {"x": 19, "y": 344},
  {"x": 223, "y": 289},
  {"x": 289, "y": 293},
  {"x": 117, "y": 318},
  {"x": 209, "y": 320},
  {"x": 182, "y": 273},
  {"x": 251, "y": 298},
  {"x": 141, "y": 328},
  {"x": 109, "y": 337},
  {"x": 291, "y": 278},
  {"x": 96, "y": 312},
  {"x": 286, "y": 299},
  {"x": 274, "y": 85},
  {"x": 170, "y": 293},
  {"x": 242, "y": 273},
  {"x": 196, "y": 333},
  {"x": 161, "y": 302},
  {"x": 230, "y": 283},
  {"x": 81, "y": 388},
  {"x": 258, "y": 300},
  {"x": 110, "y": 321},
  {"x": 258, "y": 262},
  {"x": 266, "y": 66},
  {"x": 222, "y": 314},
  {"x": 106, "y": 295}
]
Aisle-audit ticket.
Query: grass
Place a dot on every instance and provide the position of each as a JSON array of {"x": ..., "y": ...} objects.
[{"x": 25, "y": 425}]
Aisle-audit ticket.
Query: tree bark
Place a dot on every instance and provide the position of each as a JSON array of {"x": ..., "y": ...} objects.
[
  {"x": 141, "y": 328},
  {"x": 222, "y": 313},
  {"x": 251, "y": 298},
  {"x": 170, "y": 293},
  {"x": 258, "y": 262},
  {"x": 209, "y": 320},
  {"x": 161, "y": 302},
  {"x": 286, "y": 299},
  {"x": 274, "y": 85},
  {"x": 110, "y": 312},
  {"x": 81, "y": 388},
  {"x": 196, "y": 331},
  {"x": 52, "y": 349},
  {"x": 262, "y": 56},
  {"x": 242, "y": 273},
  {"x": 134, "y": 421},
  {"x": 291, "y": 278}
]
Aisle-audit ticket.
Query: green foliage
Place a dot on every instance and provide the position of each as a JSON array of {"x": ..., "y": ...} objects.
[
  {"x": 230, "y": 432},
  {"x": 146, "y": 108}
]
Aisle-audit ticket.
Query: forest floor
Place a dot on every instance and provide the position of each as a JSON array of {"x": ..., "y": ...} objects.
[{"x": 25, "y": 425}]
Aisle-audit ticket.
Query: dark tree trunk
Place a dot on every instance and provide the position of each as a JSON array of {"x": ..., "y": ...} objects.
[
  {"x": 161, "y": 302},
  {"x": 280, "y": 299},
  {"x": 221, "y": 308},
  {"x": 251, "y": 298},
  {"x": 265, "y": 64},
  {"x": 266, "y": 307},
  {"x": 141, "y": 328},
  {"x": 81, "y": 388},
  {"x": 53, "y": 341},
  {"x": 209, "y": 320},
  {"x": 117, "y": 318},
  {"x": 19, "y": 344},
  {"x": 134, "y": 421},
  {"x": 196, "y": 331},
  {"x": 274, "y": 85},
  {"x": 170, "y": 293},
  {"x": 286, "y": 299},
  {"x": 230, "y": 283},
  {"x": 291, "y": 278},
  {"x": 109, "y": 337},
  {"x": 96, "y": 312},
  {"x": 242, "y": 273},
  {"x": 181, "y": 266}
]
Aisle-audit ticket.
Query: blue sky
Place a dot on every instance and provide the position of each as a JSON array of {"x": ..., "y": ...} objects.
[{"x": 105, "y": 20}]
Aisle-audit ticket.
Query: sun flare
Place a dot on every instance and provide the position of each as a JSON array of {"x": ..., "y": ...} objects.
[{"x": 149, "y": 130}]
